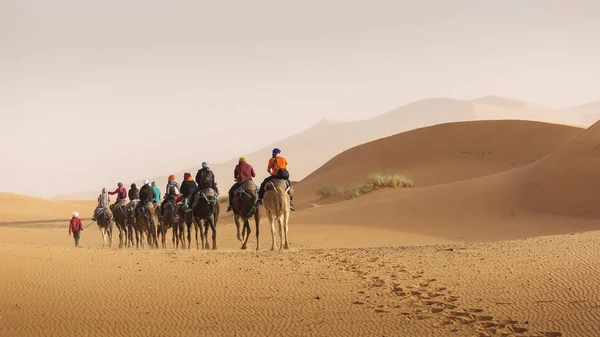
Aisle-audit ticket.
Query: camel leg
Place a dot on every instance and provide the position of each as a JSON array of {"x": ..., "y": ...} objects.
[
  {"x": 201, "y": 231},
  {"x": 137, "y": 239},
  {"x": 141, "y": 238},
  {"x": 197, "y": 229},
  {"x": 120, "y": 236},
  {"x": 280, "y": 222},
  {"x": 204, "y": 235},
  {"x": 272, "y": 222},
  {"x": 213, "y": 226},
  {"x": 256, "y": 220},
  {"x": 206, "y": 244},
  {"x": 175, "y": 236},
  {"x": 247, "y": 235},
  {"x": 182, "y": 234},
  {"x": 189, "y": 234},
  {"x": 236, "y": 219},
  {"x": 286, "y": 220},
  {"x": 110, "y": 234}
]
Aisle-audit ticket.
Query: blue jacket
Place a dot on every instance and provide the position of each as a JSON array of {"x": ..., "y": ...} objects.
[{"x": 157, "y": 192}]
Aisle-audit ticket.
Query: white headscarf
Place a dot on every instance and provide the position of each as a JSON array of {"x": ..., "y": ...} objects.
[{"x": 75, "y": 214}]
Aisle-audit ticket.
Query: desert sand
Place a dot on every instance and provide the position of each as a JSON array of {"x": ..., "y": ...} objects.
[{"x": 498, "y": 238}]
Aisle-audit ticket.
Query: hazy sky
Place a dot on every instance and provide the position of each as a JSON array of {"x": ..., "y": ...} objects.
[{"x": 93, "y": 92}]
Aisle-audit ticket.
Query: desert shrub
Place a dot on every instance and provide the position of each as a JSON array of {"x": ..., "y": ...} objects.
[
  {"x": 377, "y": 181},
  {"x": 327, "y": 191}
]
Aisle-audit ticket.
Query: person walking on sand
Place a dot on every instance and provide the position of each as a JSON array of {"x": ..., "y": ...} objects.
[{"x": 75, "y": 227}]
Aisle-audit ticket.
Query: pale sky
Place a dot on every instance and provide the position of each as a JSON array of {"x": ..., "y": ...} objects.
[{"x": 92, "y": 91}]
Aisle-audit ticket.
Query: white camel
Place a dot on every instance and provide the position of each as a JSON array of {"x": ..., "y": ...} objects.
[{"x": 277, "y": 205}]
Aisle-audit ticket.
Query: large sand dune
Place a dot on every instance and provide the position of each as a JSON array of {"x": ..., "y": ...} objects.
[
  {"x": 554, "y": 195},
  {"x": 310, "y": 149},
  {"x": 442, "y": 153}
]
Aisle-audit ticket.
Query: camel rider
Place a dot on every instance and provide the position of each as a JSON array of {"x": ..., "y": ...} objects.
[
  {"x": 134, "y": 196},
  {"x": 205, "y": 178},
  {"x": 157, "y": 192},
  {"x": 134, "y": 193},
  {"x": 121, "y": 193},
  {"x": 242, "y": 173},
  {"x": 276, "y": 162},
  {"x": 103, "y": 201},
  {"x": 171, "y": 191},
  {"x": 146, "y": 196},
  {"x": 188, "y": 187}
]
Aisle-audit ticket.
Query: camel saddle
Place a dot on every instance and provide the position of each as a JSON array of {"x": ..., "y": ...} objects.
[
  {"x": 246, "y": 187},
  {"x": 282, "y": 183}
]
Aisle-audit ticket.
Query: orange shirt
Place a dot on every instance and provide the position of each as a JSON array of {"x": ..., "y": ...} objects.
[{"x": 277, "y": 163}]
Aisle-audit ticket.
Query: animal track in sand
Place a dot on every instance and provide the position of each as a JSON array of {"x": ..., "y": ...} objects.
[{"x": 418, "y": 299}]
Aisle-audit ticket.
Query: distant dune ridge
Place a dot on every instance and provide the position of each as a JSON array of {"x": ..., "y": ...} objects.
[{"x": 307, "y": 150}]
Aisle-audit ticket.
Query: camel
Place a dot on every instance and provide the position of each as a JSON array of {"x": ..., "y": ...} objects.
[
  {"x": 277, "y": 205},
  {"x": 105, "y": 223},
  {"x": 167, "y": 221},
  {"x": 244, "y": 208},
  {"x": 120, "y": 213},
  {"x": 186, "y": 218},
  {"x": 147, "y": 221},
  {"x": 206, "y": 209},
  {"x": 132, "y": 223}
]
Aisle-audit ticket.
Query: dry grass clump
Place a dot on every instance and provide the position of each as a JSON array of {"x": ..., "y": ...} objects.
[
  {"x": 374, "y": 181},
  {"x": 327, "y": 191}
]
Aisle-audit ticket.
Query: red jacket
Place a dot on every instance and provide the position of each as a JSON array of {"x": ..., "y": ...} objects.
[
  {"x": 75, "y": 225},
  {"x": 243, "y": 171},
  {"x": 120, "y": 192}
]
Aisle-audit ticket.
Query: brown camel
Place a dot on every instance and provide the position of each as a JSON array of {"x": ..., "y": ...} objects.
[
  {"x": 132, "y": 223},
  {"x": 147, "y": 221},
  {"x": 120, "y": 213},
  {"x": 277, "y": 205},
  {"x": 105, "y": 223},
  {"x": 186, "y": 219},
  {"x": 206, "y": 209},
  {"x": 169, "y": 221},
  {"x": 244, "y": 208}
]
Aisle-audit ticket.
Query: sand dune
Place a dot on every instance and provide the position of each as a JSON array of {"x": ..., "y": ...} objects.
[
  {"x": 306, "y": 151},
  {"x": 554, "y": 195},
  {"x": 441, "y": 154},
  {"x": 15, "y": 207}
]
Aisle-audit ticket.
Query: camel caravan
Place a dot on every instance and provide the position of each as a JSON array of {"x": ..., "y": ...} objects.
[{"x": 196, "y": 202}]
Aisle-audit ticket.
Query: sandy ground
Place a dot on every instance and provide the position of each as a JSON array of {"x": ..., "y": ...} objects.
[
  {"x": 534, "y": 287},
  {"x": 500, "y": 243}
]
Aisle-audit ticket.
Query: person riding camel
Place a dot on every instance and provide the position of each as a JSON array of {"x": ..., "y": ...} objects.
[
  {"x": 242, "y": 173},
  {"x": 121, "y": 193},
  {"x": 276, "y": 163},
  {"x": 157, "y": 192},
  {"x": 188, "y": 187},
  {"x": 172, "y": 190},
  {"x": 205, "y": 178},
  {"x": 134, "y": 193},
  {"x": 146, "y": 196},
  {"x": 103, "y": 201}
]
